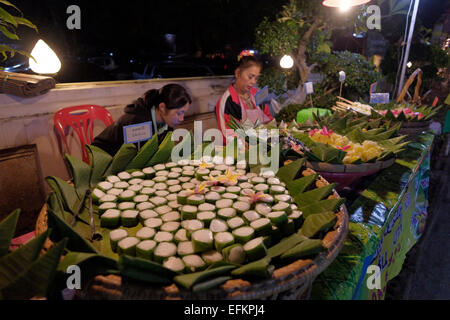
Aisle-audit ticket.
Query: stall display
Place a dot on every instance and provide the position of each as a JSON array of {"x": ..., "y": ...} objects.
[{"x": 204, "y": 226}]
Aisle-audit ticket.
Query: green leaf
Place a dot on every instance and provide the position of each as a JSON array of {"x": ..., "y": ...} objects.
[
  {"x": 164, "y": 151},
  {"x": 285, "y": 245},
  {"x": 7, "y": 3},
  {"x": 62, "y": 229},
  {"x": 323, "y": 47},
  {"x": 4, "y": 15},
  {"x": 7, "y": 230},
  {"x": 317, "y": 222},
  {"x": 121, "y": 159},
  {"x": 91, "y": 264},
  {"x": 304, "y": 249},
  {"x": 210, "y": 284},
  {"x": 289, "y": 172},
  {"x": 99, "y": 162},
  {"x": 321, "y": 206},
  {"x": 188, "y": 280},
  {"x": 314, "y": 195},
  {"x": 20, "y": 259},
  {"x": 126, "y": 261},
  {"x": 187, "y": 141},
  {"x": 25, "y": 22},
  {"x": 8, "y": 33},
  {"x": 81, "y": 173},
  {"x": 298, "y": 186},
  {"x": 65, "y": 192},
  {"x": 145, "y": 154},
  {"x": 259, "y": 269},
  {"x": 37, "y": 278}
]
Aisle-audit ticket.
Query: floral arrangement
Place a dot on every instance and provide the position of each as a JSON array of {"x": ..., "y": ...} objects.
[
  {"x": 404, "y": 112},
  {"x": 365, "y": 152}
]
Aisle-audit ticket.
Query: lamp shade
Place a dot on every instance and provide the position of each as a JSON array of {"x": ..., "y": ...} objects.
[
  {"x": 343, "y": 3},
  {"x": 46, "y": 60}
]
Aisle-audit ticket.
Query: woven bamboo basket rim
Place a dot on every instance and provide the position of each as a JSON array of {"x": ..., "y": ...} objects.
[{"x": 295, "y": 278}]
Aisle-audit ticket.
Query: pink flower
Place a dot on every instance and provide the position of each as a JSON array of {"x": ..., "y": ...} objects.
[
  {"x": 343, "y": 148},
  {"x": 396, "y": 113},
  {"x": 407, "y": 111},
  {"x": 382, "y": 112},
  {"x": 295, "y": 147},
  {"x": 420, "y": 116},
  {"x": 313, "y": 132},
  {"x": 254, "y": 197},
  {"x": 326, "y": 132}
]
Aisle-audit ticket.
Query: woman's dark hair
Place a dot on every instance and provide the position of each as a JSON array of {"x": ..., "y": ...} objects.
[
  {"x": 248, "y": 61},
  {"x": 173, "y": 95}
]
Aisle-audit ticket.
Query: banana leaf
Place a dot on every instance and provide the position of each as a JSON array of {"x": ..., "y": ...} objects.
[
  {"x": 259, "y": 269},
  {"x": 326, "y": 153},
  {"x": 35, "y": 280},
  {"x": 289, "y": 172},
  {"x": 81, "y": 173},
  {"x": 87, "y": 260},
  {"x": 188, "y": 280},
  {"x": 314, "y": 195},
  {"x": 321, "y": 206},
  {"x": 356, "y": 136},
  {"x": 179, "y": 148},
  {"x": 77, "y": 240},
  {"x": 285, "y": 245},
  {"x": 19, "y": 260},
  {"x": 7, "y": 230},
  {"x": 147, "y": 151},
  {"x": 303, "y": 249},
  {"x": 121, "y": 159},
  {"x": 317, "y": 222},
  {"x": 144, "y": 270},
  {"x": 210, "y": 284},
  {"x": 54, "y": 203},
  {"x": 298, "y": 186},
  {"x": 99, "y": 161},
  {"x": 164, "y": 151},
  {"x": 387, "y": 134},
  {"x": 65, "y": 192}
]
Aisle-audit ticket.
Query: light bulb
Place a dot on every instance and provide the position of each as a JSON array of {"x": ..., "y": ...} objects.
[
  {"x": 286, "y": 62},
  {"x": 345, "y": 5},
  {"x": 46, "y": 60}
]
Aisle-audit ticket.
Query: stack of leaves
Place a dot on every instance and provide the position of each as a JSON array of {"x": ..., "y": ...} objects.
[{"x": 24, "y": 273}]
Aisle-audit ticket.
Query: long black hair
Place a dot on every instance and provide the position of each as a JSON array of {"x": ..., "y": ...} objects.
[{"x": 173, "y": 95}]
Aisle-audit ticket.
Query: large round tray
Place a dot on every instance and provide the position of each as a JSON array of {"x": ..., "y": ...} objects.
[
  {"x": 291, "y": 282},
  {"x": 346, "y": 174}
]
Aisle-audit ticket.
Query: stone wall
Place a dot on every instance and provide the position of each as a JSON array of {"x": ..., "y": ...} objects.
[{"x": 30, "y": 121}]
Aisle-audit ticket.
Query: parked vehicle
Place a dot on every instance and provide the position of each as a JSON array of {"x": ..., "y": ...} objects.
[{"x": 106, "y": 63}]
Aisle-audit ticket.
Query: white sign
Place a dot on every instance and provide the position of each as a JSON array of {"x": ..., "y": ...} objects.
[
  {"x": 309, "y": 87},
  {"x": 137, "y": 132},
  {"x": 341, "y": 76}
]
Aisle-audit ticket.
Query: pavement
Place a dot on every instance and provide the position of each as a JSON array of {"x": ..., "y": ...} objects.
[{"x": 426, "y": 270}]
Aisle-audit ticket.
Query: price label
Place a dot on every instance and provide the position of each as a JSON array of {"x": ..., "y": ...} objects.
[
  {"x": 379, "y": 98},
  {"x": 309, "y": 87},
  {"x": 341, "y": 76},
  {"x": 137, "y": 132}
]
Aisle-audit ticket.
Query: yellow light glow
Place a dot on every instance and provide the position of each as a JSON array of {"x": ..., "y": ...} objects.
[
  {"x": 345, "y": 5},
  {"x": 286, "y": 62},
  {"x": 46, "y": 60}
]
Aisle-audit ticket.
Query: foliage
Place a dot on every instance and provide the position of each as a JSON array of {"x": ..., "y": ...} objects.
[
  {"x": 8, "y": 27},
  {"x": 24, "y": 272}
]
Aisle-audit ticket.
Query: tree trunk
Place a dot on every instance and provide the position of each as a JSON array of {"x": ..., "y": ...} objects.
[{"x": 300, "y": 61}]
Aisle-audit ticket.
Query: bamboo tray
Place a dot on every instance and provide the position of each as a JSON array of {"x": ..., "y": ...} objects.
[{"x": 290, "y": 282}]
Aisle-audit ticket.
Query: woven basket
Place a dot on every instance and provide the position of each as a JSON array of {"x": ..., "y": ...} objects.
[{"x": 291, "y": 282}]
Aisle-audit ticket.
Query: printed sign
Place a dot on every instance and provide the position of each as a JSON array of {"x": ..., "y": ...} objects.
[
  {"x": 137, "y": 132},
  {"x": 341, "y": 76},
  {"x": 379, "y": 98}
]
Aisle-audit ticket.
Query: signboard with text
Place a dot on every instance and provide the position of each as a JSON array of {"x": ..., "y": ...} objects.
[{"x": 137, "y": 132}]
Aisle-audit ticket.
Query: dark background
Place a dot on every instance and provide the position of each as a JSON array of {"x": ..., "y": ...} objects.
[{"x": 134, "y": 30}]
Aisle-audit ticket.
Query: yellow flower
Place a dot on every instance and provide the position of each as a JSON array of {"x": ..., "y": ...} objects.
[
  {"x": 205, "y": 165},
  {"x": 229, "y": 177}
]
